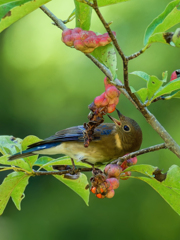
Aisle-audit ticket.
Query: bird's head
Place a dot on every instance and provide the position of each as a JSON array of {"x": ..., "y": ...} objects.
[{"x": 129, "y": 132}]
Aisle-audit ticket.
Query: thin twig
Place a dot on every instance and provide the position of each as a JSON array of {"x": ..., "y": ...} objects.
[
  {"x": 140, "y": 152},
  {"x": 137, "y": 54},
  {"x": 58, "y": 22},
  {"x": 61, "y": 172}
]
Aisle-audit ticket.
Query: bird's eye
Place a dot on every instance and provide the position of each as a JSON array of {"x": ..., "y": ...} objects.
[{"x": 126, "y": 128}]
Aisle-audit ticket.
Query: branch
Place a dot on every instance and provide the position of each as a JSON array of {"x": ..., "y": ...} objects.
[
  {"x": 150, "y": 118},
  {"x": 61, "y": 172},
  {"x": 58, "y": 22},
  {"x": 139, "y": 152}
]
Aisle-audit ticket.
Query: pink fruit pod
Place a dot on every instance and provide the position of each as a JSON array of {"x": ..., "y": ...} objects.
[
  {"x": 114, "y": 171},
  {"x": 77, "y": 30},
  {"x": 91, "y": 33},
  {"x": 110, "y": 194},
  {"x": 112, "y": 92},
  {"x": 103, "y": 41},
  {"x": 132, "y": 161},
  {"x": 79, "y": 45},
  {"x": 106, "y": 84},
  {"x": 68, "y": 40},
  {"x": 91, "y": 42},
  {"x": 84, "y": 35},
  {"x": 111, "y": 108},
  {"x": 88, "y": 50},
  {"x": 113, "y": 181},
  {"x": 99, "y": 100},
  {"x": 66, "y": 32},
  {"x": 75, "y": 36}
]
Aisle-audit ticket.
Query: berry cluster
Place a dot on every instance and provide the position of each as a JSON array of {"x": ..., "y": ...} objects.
[
  {"x": 84, "y": 41},
  {"x": 104, "y": 184},
  {"x": 109, "y": 98}
]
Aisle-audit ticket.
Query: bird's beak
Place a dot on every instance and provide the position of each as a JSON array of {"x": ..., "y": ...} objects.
[
  {"x": 117, "y": 122},
  {"x": 178, "y": 73}
]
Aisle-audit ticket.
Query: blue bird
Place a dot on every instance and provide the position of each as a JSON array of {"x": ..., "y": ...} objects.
[{"x": 110, "y": 141}]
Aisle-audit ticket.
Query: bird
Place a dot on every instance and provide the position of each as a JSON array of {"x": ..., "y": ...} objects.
[{"x": 109, "y": 141}]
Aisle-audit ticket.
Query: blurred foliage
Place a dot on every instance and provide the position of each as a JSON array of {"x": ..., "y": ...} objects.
[{"x": 45, "y": 87}]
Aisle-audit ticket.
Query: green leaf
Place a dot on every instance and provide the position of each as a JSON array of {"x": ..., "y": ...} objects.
[
  {"x": 79, "y": 185},
  {"x": 11, "y": 11},
  {"x": 142, "y": 93},
  {"x": 164, "y": 76},
  {"x": 153, "y": 85},
  {"x": 102, "y": 3},
  {"x": 168, "y": 88},
  {"x": 174, "y": 94},
  {"x": 8, "y": 187},
  {"x": 176, "y": 38},
  {"x": 18, "y": 192},
  {"x": 169, "y": 189},
  {"x": 142, "y": 75},
  {"x": 107, "y": 56},
  {"x": 26, "y": 142},
  {"x": 83, "y": 15},
  {"x": 19, "y": 162},
  {"x": 166, "y": 20},
  {"x": 71, "y": 17},
  {"x": 9, "y": 144}
]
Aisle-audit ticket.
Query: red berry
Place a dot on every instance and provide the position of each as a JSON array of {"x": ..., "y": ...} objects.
[
  {"x": 66, "y": 32},
  {"x": 101, "y": 190},
  {"x": 111, "y": 108},
  {"x": 110, "y": 194},
  {"x": 77, "y": 30},
  {"x": 114, "y": 170},
  {"x": 93, "y": 189},
  {"x": 84, "y": 35},
  {"x": 107, "y": 85},
  {"x": 102, "y": 41},
  {"x": 99, "y": 195},
  {"x": 79, "y": 45},
  {"x": 88, "y": 50},
  {"x": 132, "y": 161},
  {"x": 76, "y": 36},
  {"x": 91, "y": 42},
  {"x": 112, "y": 92},
  {"x": 114, "y": 182},
  {"x": 68, "y": 40}
]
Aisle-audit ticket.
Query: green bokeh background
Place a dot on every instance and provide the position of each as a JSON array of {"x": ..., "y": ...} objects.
[{"x": 46, "y": 86}]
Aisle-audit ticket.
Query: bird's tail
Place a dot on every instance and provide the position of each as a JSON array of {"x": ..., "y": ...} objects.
[{"x": 26, "y": 153}]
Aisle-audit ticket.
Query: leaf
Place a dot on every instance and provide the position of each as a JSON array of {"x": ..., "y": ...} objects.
[
  {"x": 169, "y": 189},
  {"x": 102, "y": 3},
  {"x": 153, "y": 85},
  {"x": 166, "y": 20},
  {"x": 11, "y": 11},
  {"x": 168, "y": 88},
  {"x": 9, "y": 144},
  {"x": 83, "y": 15},
  {"x": 25, "y": 143},
  {"x": 11, "y": 182},
  {"x": 79, "y": 185},
  {"x": 174, "y": 94},
  {"x": 142, "y": 93},
  {"x": 107, "y": 56},
  {"x": 18, "y": 192},
  {"x": 19, "y": 162},
  {"x": 142, "y": 75},
  {"x": 164, "y": 76}
]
